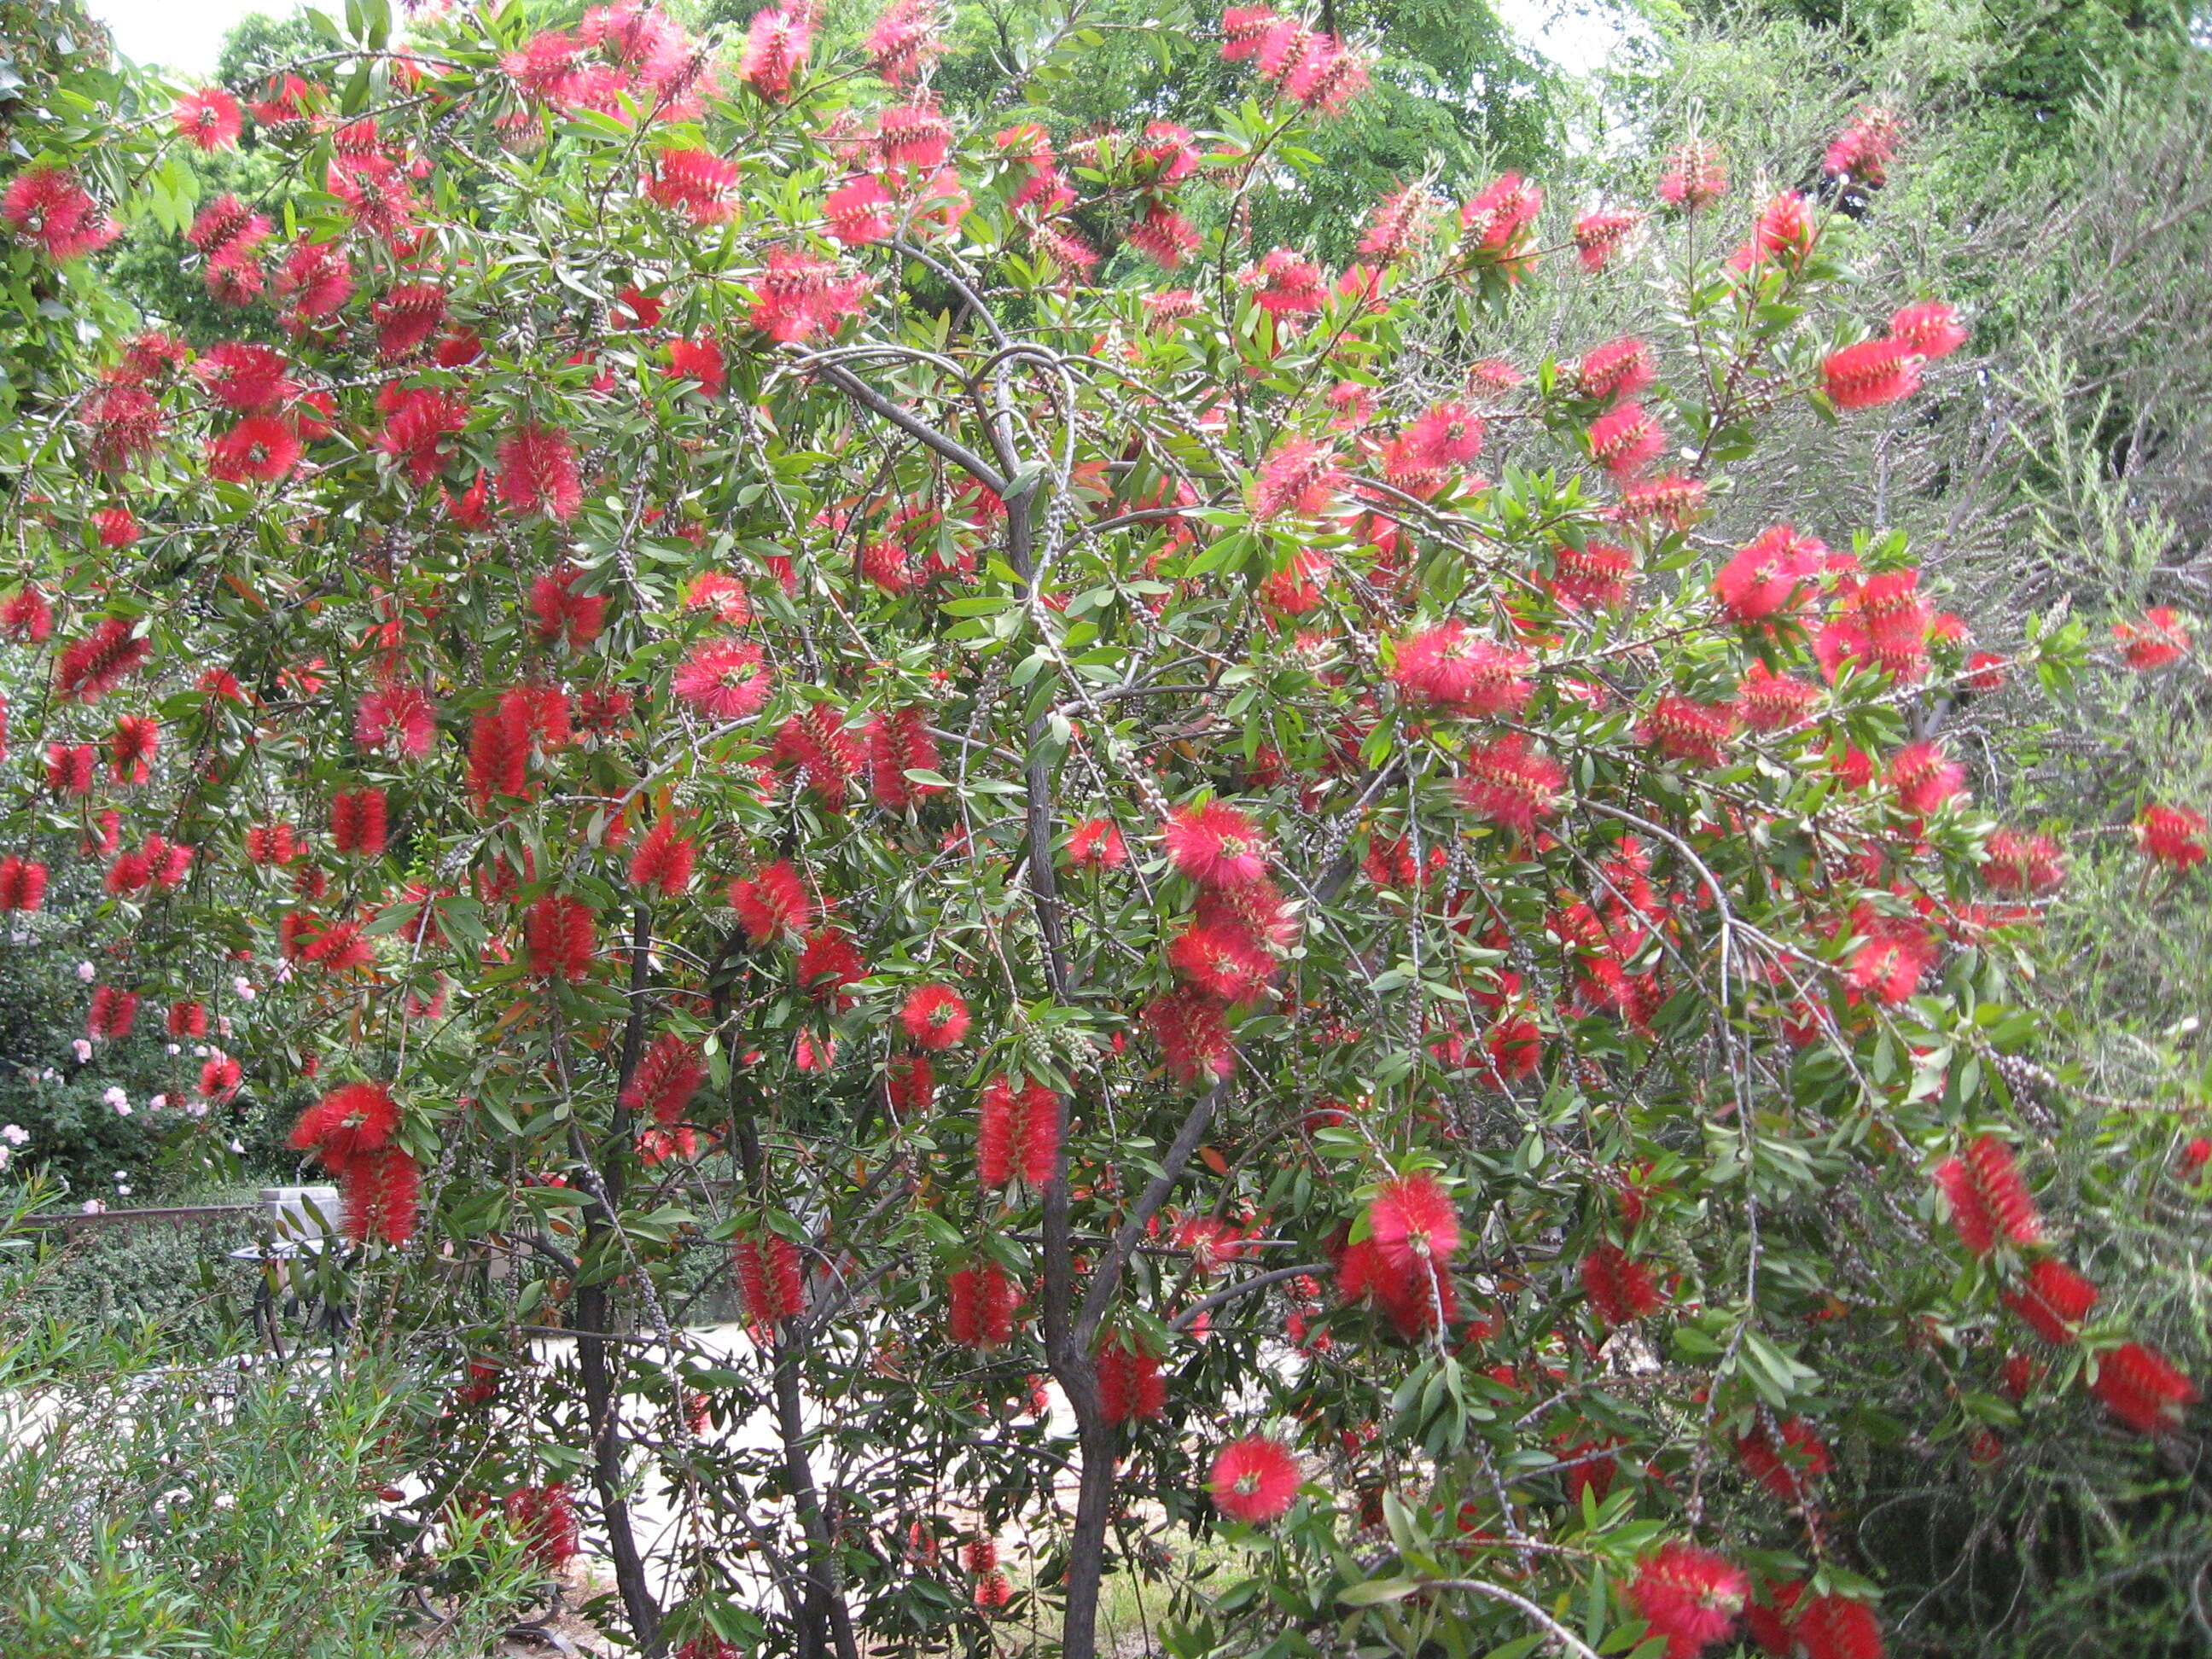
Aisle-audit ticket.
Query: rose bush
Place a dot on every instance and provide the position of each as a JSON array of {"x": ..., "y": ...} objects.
[{"x": 775, "y": 697}]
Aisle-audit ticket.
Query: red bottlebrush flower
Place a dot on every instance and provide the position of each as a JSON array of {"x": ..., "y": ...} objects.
[
  {"x": 1773, "y": 702},
  {"x": 1871, "y": 374},
  {"x": 253, "y": 380},
  {"x": 979, "y": 1306},
  {"x": 131, "y": 872},
  {"x": 1295, "y": 588},
  {"x": 1255, "y": 908},
  {"x": 115, "y": 526},
  {"x": 406, "y": 317},
  {"x": 2139, "y": 1387},
  {"x": 1772, "y": 1623},
  {"x": 899, "y": 743},
  {"x": 27, "y": 617},
  {"x": 317, "y": 277},
  {"x": 381, "y": 1191},
  {"x": 1591, "y": 577},
  {"x": 1499, "y": 220},
  {"x": 1223, "y": 961},
  {"x": 817, "y": 741},
  {"x": 1097, "y": 844},
  {"x": 1515, "y": 1047},
  {"x": 1447, "y": 436},
  {"x": 1016, "y": 1133},
  {"x": 1400, "y": 225},
  {"x": 499, "y": 757},
  {"x": 2160, "y": 638},
  {"x": 1215, "y": 844},
  {"x": 338, "y": 949},
  {"x": 776, "y": 46},
  {"x": 1413, "y": 1224},
  {"x": 1774, "y": 574},
  {"x": 1688, "y": 1595},
  {"x": 1298, "y": 476},
  {"x": 112, "y": 1014},
  {"x": 210, "y": 118},
  {"x": 1988, "y": 1197},
  {"x": 537, "y": 473},
  {"x": 2054, "y": 1302},
  {"x": 1618, "y": 369},
  {"x": 560, "y": 935},
  {"x": 359, "y": 824},
  {"x": 664, "y": 858},
  {"x": 1460, "y": 673},
  {"x": 1598, "y": 237},
  {"x": 136, "y": 737},
  {"x": 1837, "y": 1627},
  {"x": 1685, "y": 730},
  {"x": 287, "y": 101},
  {"x": 1192, "y": 1035},
  {"x": 668, "y": 1075},
  {"x": 259, "y": 449},
  {"x": 1254, "y": 1479},
  {"x": 1788, "y": 1468},
  {"x": 1785, "y": 231},
  {"x": 417, "y": 424},
  {"x": 1245, "y": 29},
  {"x": 770, "y": 1278},
  {"x": 1286, "y": 283},
  {"x": 906, "y": 38},
  {"x": 1163, "y": 236},
  {"x": 801, "y": 295},
  {"x": 273, "y": 844},
  {"x": 188, "y": 1020},
  {"x": 772, "y": 901},
  {"x": 46, "y": 205},
  {"x": 885, "y": 564},
  {"x": 1625, "y": 440},
  {"x": 1863, "y": 150},
  {"x": 2027, "y": 865},
  {"x": 720, "y": 594},
  {"x": 2194, "y": 1155},
  {"x": 346, "y": 1124},
  {"x": 1925, "y": 777},
  {"x": 1693, "y": 177},
  {"x": 89, "y": 668},
  {"x": 543, "y": 1519},
  {"x": 699, "y": 361},
  {"x": 724, "y": 679},
  {"x": 121, "y": 422},
  {"x": 910, "y": 1085},
  {"x": 1129, "y": 1381},
  {"x": 828, "y": 962},
  {"x": 1620, "y": 1290},
  {"x": 913, "y": 136},
  {"x": 859, "y": 213},
  {"x": 563, "y": 614},
  {"x": 2172, "y": 836},
  {"x": 935, "y": 1018},
  {"x": 22, "y": 882},
  {"x": 992, "y": 1591},
  {"x": 220, "y": 1077},
  {"x": 1325, "y": 76},
  {"x": 1930, "y": 330}
]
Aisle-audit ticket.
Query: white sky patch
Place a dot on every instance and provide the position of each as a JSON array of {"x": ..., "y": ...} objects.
[
  {"x": 182, "y": 36},
  {"x": 1578, "y": 35}
]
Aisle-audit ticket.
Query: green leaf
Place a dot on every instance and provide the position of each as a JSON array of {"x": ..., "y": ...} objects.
[{"x": 1376, "y": 1590}]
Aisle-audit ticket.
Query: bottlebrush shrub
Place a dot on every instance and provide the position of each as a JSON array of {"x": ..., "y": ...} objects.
[{"x": 1055, "y": 754}]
